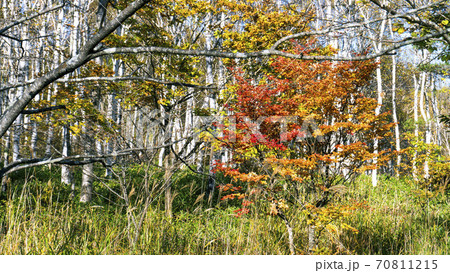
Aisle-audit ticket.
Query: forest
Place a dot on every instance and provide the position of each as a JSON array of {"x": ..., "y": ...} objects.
[{"x": 286, "y": 127}]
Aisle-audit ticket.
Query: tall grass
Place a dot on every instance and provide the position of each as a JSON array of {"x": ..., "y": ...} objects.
[
  {"x": 38, "y": 217},
  {"x": 399, "y": 220}
]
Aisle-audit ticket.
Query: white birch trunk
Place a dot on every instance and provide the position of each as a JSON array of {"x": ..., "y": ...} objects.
[
  {"x": 57, "y": 59},
  {"x": 436, "y": 114},
  {"x": 426, "y": 166},
  {"x": 66, "y": 171},
  {"x": 416, "y": 123},
  {"x": 380, "y": 95},
  {"x": 8, "y": 97},
  {"x": 88, "y": 134},
  {"x": 39, "y": 66},
  {"x": 226, "y": 153},
  {"x": 311, "y": 238},
  {"x": 86, "y": 183},
  {"x": 189, "y": 128},
  {"x": 66, "y": 174},
  {"x": 88, "y": 169},
  {"x": 394, "y": 106},
  {"x": 112, "y": 113},
  {"x": 211, "y": 102},
  {"x": 21, "y": 77}
]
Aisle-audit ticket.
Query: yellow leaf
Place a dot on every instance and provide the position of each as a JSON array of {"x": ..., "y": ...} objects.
[{"x": 445, "y": 22}]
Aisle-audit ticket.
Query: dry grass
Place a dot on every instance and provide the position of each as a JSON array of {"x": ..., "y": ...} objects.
[{"x": 38, "y": 219}]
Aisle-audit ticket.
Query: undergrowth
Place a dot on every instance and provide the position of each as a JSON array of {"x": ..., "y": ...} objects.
[{"x": 38, "y": 216}]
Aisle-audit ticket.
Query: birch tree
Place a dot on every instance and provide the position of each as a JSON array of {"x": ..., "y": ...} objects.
[
  {"x": 394, "y": 105},
  {"x": 155, "y": 47}
]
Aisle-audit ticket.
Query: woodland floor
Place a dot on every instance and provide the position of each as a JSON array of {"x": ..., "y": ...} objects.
[{"x": 37, "y": 216}]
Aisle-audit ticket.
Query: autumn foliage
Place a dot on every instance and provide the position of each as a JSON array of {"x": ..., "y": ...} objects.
[{"x": 300, "y": 135}]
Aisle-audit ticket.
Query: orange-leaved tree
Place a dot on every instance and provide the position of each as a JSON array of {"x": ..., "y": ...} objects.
[{"x": 298, "y": 136}]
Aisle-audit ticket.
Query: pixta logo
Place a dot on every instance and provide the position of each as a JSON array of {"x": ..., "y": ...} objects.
[
  {"x": 308, "y": 129},
  {"x": 215, "y": 124}
]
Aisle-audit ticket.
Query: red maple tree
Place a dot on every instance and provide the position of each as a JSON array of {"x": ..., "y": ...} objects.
[{"x": 301, "y": 133}]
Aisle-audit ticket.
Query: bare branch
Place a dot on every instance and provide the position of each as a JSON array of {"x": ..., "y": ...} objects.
[
  {"x": 34, "y": 162},
  {"x": 11, "y": 37},
  {"x": 42, "y": 110},
  {"x": 414, "y": 18},
  {"x": 262, "y": 53},
  {"x": 350, "y": 25},
  {"x": 186, "y": 164},
  {"x": 182, "y": 84},
  {"x": 16, "y": 85},
  {"x": 77, "y": 160}
]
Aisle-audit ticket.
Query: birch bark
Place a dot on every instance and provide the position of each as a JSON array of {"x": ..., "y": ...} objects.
[
  {"x": 211, "y": 101},
  {"x": 394, "y": 105},
  {"x": 66, "y": 171},
  {"x": 416, "y": 122},
  {"x": 380, "y": 94}
]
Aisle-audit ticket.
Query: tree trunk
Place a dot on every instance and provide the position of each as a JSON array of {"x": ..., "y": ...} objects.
[
  {"x": 380, "y": 95},
  {"x": 89, "y": 149},
  {"x": 289, "y": 231},
  {"x": 211, "y": 100},
  {"x": 394, "y": 107},
  {"x": 168, "y": 199},
  {"x": 426, "y": 165},
  {"x": 101, "y": 13},
  {"x": 66, "y": 171},
  {"x": 88, "y": 169},
  {"x": 416, "y": 124},
  {"x": 311, "y": 238},
  {"x": 7, "y": 147},
  {"x": 86, "y": 183},
  {"x": 89, "y": 143},
  {"x": 57, "y": 59},
  {"x": 112, "y": 108},
  {"x": 21, "y": 77}
]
